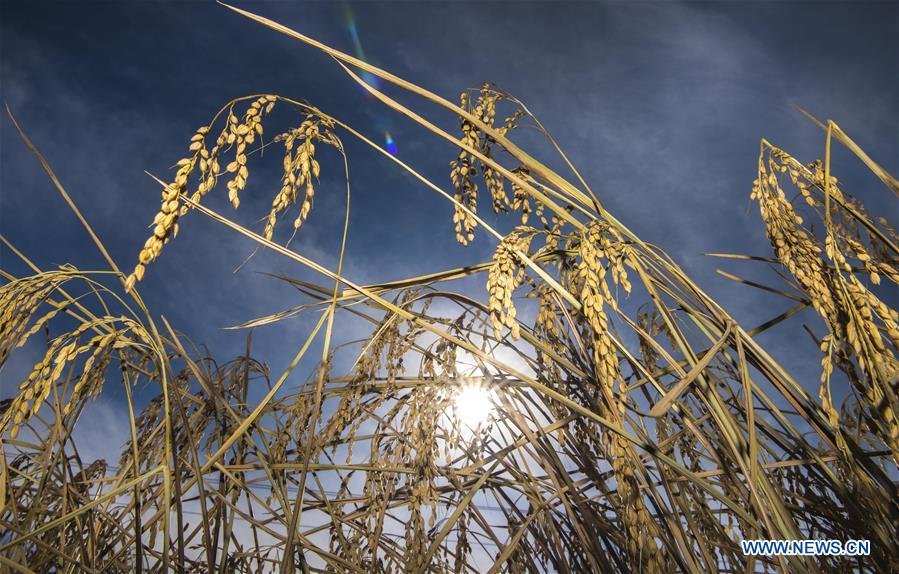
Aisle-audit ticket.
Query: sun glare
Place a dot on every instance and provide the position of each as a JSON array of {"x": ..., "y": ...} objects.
[{"x": 473, "y": 404}]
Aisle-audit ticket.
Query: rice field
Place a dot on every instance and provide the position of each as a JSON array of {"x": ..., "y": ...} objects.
[{"x": 592, "y": 410}]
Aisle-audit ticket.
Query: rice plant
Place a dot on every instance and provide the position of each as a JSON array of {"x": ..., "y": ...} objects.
[{"x": 593, "y": 411}]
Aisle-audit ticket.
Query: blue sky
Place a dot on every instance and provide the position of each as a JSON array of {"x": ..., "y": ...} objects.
[{"x": 660, "y": 104}]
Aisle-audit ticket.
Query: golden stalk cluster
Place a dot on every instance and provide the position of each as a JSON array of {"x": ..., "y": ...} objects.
[
  {"x": 300, "y": 167},
  {"x": 236, "y": 137},
  {"x": 505, "y": 275},
  {"x": 860, "y": 325},
  {"x": 464, "y": 169}
]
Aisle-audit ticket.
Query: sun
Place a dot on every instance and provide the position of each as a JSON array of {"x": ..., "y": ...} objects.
[{"x": 474, "y": 404}]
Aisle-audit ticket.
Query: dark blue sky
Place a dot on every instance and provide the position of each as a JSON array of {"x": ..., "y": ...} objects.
[{"x": 660, "y": 104}]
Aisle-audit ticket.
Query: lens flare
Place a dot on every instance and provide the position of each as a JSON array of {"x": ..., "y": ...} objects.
[
  {"x": 350, "y": 21},
  {"x": 389, "y": 143}
]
